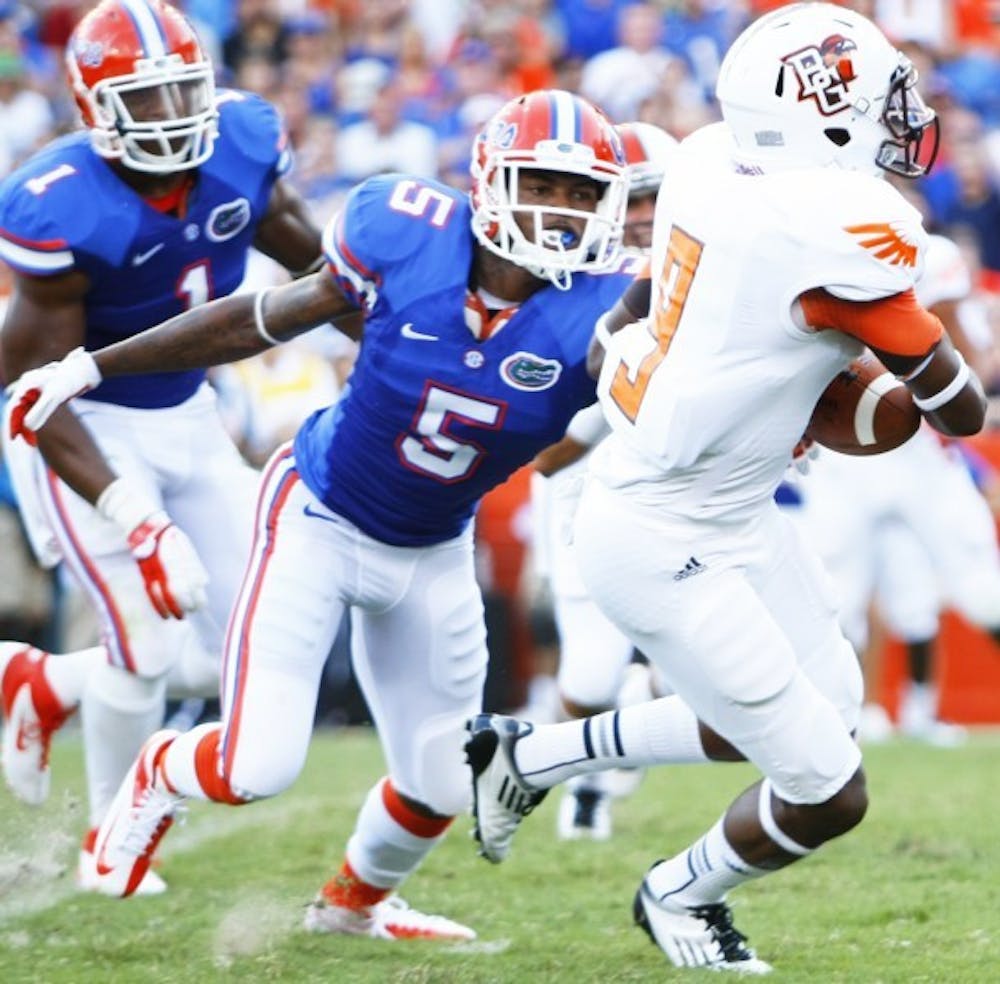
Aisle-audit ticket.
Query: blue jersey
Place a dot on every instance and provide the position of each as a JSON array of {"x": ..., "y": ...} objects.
[
  {"x": 432, "y": 417},
  {"x": 66, "y": 209}
]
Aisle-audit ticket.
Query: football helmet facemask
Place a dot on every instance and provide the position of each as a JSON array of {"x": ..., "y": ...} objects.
[
  {"x": 143, "y": 86},
  {"x": 548, "y": 130},
  {"x": 815, "y": 84}
]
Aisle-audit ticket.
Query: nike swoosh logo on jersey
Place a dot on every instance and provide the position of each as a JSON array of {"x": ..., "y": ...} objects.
[
  {"x": 141, "y": 258},
  {"x": 408, "y": 331}
]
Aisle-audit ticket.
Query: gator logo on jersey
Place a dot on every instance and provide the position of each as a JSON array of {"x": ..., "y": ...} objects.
[
  {"x": 529, "y": 372},
  {"x": 887, "y": 241},
  {"x": 228, "y": 220},
  {"x": 825, "y": 71}
]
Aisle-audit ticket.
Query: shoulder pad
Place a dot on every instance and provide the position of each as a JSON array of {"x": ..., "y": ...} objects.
[
  {"x": 385, "y": 220},
  {"x": 254, "y": 128},
  {"x": 45, "y": 206},
  {"x": 864, "y": 240}
]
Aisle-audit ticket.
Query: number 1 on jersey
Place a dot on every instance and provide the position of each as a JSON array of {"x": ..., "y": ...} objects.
[{"x": 676, "y": 277}]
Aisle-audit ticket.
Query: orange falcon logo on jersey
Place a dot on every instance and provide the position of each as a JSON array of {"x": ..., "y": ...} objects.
[{"x": 886, "y": 241}]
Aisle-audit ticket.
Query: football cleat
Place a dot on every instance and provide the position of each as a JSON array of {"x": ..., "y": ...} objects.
[
  {"x": 31, "y": 715},
  {"x": 696, "y": 936},
  {"x": 87, "y": 879},
  {"x": 584, "y": 814},
  {"x": 390, "y": 919},
  {"x": 501, "y": 798},
  {"x": 141, "y": 813}
]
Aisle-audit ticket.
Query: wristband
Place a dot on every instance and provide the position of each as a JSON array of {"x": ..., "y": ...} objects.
[
  {"x": 258, "y": 316},
  {"x": 930, "y": 403},
  {"x": 601, "y": 331},
  {"x": 122, "y": 503}
]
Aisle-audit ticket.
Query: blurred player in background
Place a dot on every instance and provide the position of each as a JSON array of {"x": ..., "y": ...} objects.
[
  {"x": 478, "y": 315},
  {"x": 147, "y": 211},
  {"x": 778, "y": 254},
  {"x": 594, "y": 655},
  {"x": 910, "y": 528}
]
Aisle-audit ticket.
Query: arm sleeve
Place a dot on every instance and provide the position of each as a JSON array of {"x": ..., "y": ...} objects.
[{"x": 895, "y": 324}]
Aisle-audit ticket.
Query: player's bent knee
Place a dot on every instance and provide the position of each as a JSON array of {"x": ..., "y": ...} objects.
[
  {"x": 125, "y": 690},
  {"x": 847, "y": 808},
  {"x": 804, "y": 746}
]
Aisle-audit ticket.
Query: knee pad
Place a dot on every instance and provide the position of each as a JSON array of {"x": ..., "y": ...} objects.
[
  {"x": 805, "y": 748},
  {"x": 126, "y": 691},
  {"x": 195, "y": 671},
  {"x": 440, "y": 776}
]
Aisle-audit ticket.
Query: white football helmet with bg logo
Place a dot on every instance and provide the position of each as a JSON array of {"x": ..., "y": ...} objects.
[{"x": 813, "y": 84}]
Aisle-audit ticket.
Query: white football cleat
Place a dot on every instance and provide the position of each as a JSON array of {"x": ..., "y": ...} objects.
[
  {"x": 140, "y": 814},
  {"x": 31, "y": 716},
  {"x": 501, "y": 798},
  {"x": 87, "y": 879},
  {"x": 390, "y": 919},
  {"x": 698, "y": 936}
]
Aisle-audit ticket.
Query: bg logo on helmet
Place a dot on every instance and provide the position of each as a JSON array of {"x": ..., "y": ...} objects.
[{"x": 824, "y": 73}]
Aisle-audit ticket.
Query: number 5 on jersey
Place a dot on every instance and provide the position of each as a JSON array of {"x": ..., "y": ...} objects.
[{"x": 676, "y": 278}]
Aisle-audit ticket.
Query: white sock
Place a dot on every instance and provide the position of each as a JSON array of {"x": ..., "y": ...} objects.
[
  {"x": 381, "y": 851},
  {"x": 663, "y": 731},
  {"x": 703, "y": 873},
  {"x": 66, "y": 673},
  {"x": 119, "y": 712}
]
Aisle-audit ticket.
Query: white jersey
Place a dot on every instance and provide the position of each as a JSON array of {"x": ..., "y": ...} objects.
[
  {"x": 946, "y": 274},
  {"x": 706, "y": 405}
]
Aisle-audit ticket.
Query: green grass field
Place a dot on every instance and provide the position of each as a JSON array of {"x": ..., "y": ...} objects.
[{"x": 910, "y": 896}]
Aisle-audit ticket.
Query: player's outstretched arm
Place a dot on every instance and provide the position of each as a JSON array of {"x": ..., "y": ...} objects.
[{"x": 221, "y": 331}]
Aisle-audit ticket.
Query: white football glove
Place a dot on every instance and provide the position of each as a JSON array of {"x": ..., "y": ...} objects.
[
  {"x": 171, "y": 570},
  {"x": 806, "y": 451},
  {"x": 40, "y": 392}
]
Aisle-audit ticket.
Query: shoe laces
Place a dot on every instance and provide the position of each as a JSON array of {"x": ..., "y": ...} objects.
[
  {"x": 149, "y": 820},
  {"x": 719, "y": 918}
]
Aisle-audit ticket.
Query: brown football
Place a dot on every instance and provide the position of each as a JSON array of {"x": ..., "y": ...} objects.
[{"x": 865, "y": 410}]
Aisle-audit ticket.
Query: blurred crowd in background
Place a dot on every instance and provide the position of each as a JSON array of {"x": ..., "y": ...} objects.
[{"x": 369, "y": 86}]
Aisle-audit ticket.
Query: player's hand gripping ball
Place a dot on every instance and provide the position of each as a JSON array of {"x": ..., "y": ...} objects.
[{"x": 865, "y": 410}]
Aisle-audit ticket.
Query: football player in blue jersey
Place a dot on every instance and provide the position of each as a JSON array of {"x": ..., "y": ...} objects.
[
  {"x": 147, "y": 211},
  {"x": 478, "y": 311}
]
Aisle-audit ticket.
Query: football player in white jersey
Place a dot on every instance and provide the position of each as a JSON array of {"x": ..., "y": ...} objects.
[
  {"x": 778, "y": 255},
  {"x": 594, "y": 654},
  {"x": 910, "y": 528}
]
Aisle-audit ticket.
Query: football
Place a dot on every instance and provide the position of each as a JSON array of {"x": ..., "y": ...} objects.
[{"x": 865, "y": 410}]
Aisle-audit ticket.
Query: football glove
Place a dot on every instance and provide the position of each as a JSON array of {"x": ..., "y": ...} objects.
[
  {"x": 171, "y": 570},
  {"x": 40, "y": 392}
]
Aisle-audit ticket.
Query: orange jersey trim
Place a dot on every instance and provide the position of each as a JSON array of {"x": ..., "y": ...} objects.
[{"x": 896, "y": 325}]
